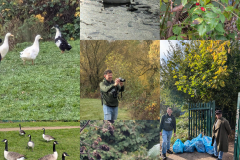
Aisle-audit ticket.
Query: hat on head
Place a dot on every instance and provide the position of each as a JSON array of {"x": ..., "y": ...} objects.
[{"x": 218, "y": 112}]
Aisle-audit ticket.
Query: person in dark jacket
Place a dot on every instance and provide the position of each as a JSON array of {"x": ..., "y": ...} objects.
[
  {"x": 167, "y": 125},
  {"x": 220, "y": 131},
  {"x": 109, "y": 92}
]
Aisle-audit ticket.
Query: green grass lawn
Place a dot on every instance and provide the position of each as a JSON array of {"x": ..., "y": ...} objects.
[
  {"x": 48, "y": 90},
  {"x": 92, "y": 109},
  {"x": 37, "y": 124},
  {"x": 68, "y": 140}
]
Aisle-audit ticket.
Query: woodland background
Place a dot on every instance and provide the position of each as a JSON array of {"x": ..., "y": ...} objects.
[
  {"x": 27, "y": 18},
  {"x": 135, "y": 61}
]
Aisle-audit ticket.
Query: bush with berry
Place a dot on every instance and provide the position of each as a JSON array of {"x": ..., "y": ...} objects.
[{"x": 201, "y": 19}]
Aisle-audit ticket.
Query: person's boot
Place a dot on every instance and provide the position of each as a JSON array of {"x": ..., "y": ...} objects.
[
  {"x": 170, "y": 152},
  {"x": 214, "y": 156},
  {"x": 164, "y": 156}
]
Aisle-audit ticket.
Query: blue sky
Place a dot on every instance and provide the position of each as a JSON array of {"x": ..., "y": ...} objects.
[{"x": 164, "y": 46}]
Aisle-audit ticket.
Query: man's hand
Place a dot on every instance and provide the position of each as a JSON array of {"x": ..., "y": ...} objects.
[
  {"x": 117, "y": 81},
  {"x": 160, "y": 133},
  {"x": 121, "y": 84},
  {"x": 174, "y": 134}
]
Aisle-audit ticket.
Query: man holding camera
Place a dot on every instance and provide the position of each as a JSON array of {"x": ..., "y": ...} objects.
[{"x": 109, "y": 94}]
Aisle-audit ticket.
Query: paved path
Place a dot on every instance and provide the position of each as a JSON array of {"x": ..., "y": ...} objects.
[{"x": 37, "y": 128}]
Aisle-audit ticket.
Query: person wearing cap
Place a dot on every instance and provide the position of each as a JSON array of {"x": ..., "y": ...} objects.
[
  {"x": 167, "y": 125},
  {"x": 220, "y": 131}
]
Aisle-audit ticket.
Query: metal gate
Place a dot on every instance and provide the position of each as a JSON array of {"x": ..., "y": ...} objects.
[
  {"x": 201, "y": 118},
  {"x": 237, "y": 132}
]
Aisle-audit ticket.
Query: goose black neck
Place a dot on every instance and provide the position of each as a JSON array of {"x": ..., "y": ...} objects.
[
  {"x": 30, "y": 138},
  {"x": 6, "y": 146},
  {"x": 63, "y": 157},
  {"x": 20, "y": 126},
  {"x": 44, "y": 131},
  {"x": 54, "y": 148}
]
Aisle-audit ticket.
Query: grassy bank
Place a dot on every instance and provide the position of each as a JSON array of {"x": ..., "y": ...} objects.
[
  {"x": 93, "y": 109},
  {"x": 48, "y": 90},
  {"x": 68, "y": 140}
]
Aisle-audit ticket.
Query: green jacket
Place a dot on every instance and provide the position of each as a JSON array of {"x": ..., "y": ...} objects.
[
  {"x": 168, "y": 123},
  {"x": 220, "y": 132},
  {"x": 109, "y": 93}
]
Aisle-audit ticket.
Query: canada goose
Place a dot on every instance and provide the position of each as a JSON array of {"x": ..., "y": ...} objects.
[
  {"x": 51, "y": 156},
  {"x": 30, "y": 53},
  {"x": 64, "y": 155},
  {"x": 47, "y": 137},
  {"x": 61, "y": 43},
  {"x": 11, "y": 155},
  {"x": 21, "y": 132},
  {"x": 5, "y": 46},
  {"x": 30, "y": 143}
]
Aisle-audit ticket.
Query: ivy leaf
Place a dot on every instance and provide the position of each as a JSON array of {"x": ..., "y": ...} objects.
[
  {"x": 222, "y": 18},
  {"x": 229, "y": 8},
  {"x": 184, "y": 2},
  {"x": 219, "y": 28},
  {"x": 177, "y": 30},
  {"x": 172, "y": 38}
]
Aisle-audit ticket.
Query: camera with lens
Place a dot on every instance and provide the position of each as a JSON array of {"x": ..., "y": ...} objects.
[{"x": 121, "y": 79}]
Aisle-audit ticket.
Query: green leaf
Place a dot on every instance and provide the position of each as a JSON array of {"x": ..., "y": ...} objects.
[
  {"x": 222, "y": 18},
  {"x": 229, "y": 8},
  {"x": 214, "y": 23},
  {"x": 220, "y": 37},
  {"x": 228, "y": 15},
  {"x": 219, "y": 28},
  {"x": 200, "y": 20},
  {"x": 184, "y": 2},
  {"x": 177, "y": 30},
  {"x": 179, "y": 38},
  {"x": 231, "y": 36},
  {"x": 172, "y": 38},
  {"x": 224, "y": 1},
  {"x": 206, "y": 1},
  {"x": 198, "y": 11},
  {"x": 210, "y": 14},
  {"x": 217, "y": 10},
  {"x": 202, "y": 29},
  {"x": 238, "y": 24}
]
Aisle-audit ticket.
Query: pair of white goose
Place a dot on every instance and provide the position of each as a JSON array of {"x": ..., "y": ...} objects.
[{"x": 28, "y": 54}]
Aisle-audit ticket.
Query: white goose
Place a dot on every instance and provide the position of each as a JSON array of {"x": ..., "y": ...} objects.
[
  {"x": 30, "y": 53},
  {"x": 5, "y": 46}
]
